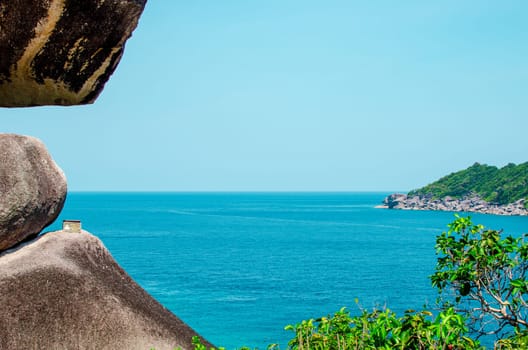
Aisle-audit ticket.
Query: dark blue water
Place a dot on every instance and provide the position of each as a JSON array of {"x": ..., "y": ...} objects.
[{"x": 239, "y": 267}]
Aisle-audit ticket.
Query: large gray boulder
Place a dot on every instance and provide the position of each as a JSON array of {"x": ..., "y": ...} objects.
[
  {"x": 65, "y": 291},
  {"x": 32, "y": 189},
  {"x": 61, "y": 52}
]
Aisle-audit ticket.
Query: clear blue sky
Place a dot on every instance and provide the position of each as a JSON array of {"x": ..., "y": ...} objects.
[{"x": 299, "y": 95}]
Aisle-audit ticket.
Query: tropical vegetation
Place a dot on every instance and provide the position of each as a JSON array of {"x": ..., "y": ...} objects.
[
  {"x": 481, "y": 277},
  {"x": 495, "y": 185},
  {"x": 484, "y": 277}
]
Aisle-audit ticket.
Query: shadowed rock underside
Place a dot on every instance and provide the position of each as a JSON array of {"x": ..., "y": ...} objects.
[{"x": 61, "y": 52}]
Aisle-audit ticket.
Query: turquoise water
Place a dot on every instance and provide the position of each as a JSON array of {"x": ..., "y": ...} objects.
[{"x": 239, "y": 267}]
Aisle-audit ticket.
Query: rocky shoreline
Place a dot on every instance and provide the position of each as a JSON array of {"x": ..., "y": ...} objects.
[{"x": 471, "y": 203}]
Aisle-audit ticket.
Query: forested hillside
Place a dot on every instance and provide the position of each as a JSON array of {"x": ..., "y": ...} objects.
[{"x": 495, "y": 185}]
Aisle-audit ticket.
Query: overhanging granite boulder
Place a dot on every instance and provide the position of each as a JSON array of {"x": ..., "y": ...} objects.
[{"x": 61, "y": 52}]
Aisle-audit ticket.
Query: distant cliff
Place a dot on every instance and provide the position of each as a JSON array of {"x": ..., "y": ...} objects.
[{"x": 480, "y": 188}]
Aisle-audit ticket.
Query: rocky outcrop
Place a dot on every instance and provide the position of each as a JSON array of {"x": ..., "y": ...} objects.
[
  {"x": 395, "y": 201},
  {"x": 65, "y": 291},
  {"x": 61, "y": 52},
  {"x": 32, "y": 189},
  {"x": 471, "y": 203}
]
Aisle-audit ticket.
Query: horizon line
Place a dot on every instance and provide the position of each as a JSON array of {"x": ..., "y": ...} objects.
[{"x": 235, "y": 191}]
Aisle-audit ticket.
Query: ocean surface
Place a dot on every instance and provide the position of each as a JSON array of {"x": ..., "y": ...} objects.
[{"x": 238, "y": 267}]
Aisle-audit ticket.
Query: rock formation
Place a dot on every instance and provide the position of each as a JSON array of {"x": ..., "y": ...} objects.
[
  {"x": 61, "y": 52},
  {"x": 65, "y": 291},
  {"x": 471, "y": 203},
  {"x": 32, "y": 189}
]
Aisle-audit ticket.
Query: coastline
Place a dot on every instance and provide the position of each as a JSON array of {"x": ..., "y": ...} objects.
[{"x": 471, "y": 204}]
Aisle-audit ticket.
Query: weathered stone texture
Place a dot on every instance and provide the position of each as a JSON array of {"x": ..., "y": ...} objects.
[
  {"x": 65, "y": 291},
  {"x": 32, "y": 189},
  {"x": 61, "y": 52},
  {"x": 471, "y": 203}
]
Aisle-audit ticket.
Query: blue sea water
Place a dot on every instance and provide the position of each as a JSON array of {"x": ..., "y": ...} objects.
[{"x": 238, "y": 267}]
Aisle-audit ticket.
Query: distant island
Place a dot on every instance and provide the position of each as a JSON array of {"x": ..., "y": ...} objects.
[{"x": 480, "y": 188}]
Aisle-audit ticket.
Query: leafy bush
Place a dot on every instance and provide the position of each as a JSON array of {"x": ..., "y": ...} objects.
[
  {"x": 382, "y": 329},
  {"x": 518, "y": 340},
  {"x": 379, "y": 329},
  {"x": 482, "y": 280},
  {"x": 484, "y": 276}
]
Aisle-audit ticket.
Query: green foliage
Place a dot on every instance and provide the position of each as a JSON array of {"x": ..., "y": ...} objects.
[
  {"x": 199, "y": 346},
  {"x": 501, "y": 186},
  {"x": 483, "y": 275},
  {"x": 519, "y": 340},
  {"x": 382, "y": 329}
]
